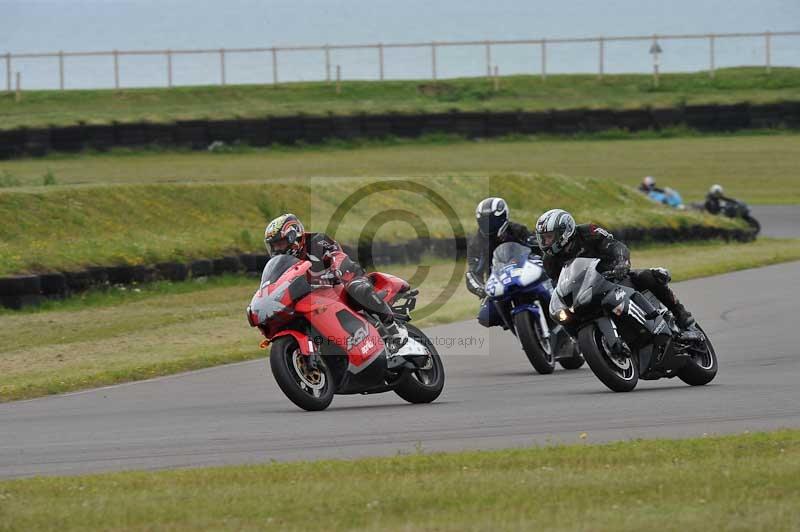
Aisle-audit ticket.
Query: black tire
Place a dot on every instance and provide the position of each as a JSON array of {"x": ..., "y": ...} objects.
[
  {"x": 613, "y": 375},
  {"x": 532, "y": 344},
  {"x": 754, "y": 224},
  {"x": 422, "y": 385},
  {"x": 702, "y": 368},
  {"x": 281, "y": 361}
]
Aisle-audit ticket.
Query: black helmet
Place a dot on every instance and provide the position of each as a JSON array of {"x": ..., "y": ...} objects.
[
  {"x": 284, "y": 235},
  {"x": 492, "y": 215},
  {"x": 554, "y": 231}
]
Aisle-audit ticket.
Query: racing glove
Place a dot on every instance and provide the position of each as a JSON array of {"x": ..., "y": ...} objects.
[
  {"x": 618, "y": 272},
  {"x": 474, "y": 285}
]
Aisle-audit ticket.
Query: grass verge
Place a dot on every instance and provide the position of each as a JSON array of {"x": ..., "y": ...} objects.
[
  {"x": 68, "y": 228},
  {"x": 756, "y": 168},
  {"x": 114, "y": 338},
  {"x": 730, "y": 85},
  {"x": 741, "y": 482}
]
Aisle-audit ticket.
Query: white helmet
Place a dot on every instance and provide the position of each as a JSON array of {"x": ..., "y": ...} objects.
[
  {"x": 648, "y": 182},
  {"x": 716, "y": 191},
  {"x": 554, "y": 231}
]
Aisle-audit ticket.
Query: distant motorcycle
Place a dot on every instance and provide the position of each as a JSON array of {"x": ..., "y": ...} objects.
[
  {"x": 738, "y": 209},
  {"x": 618, "y": 335},
  {"x": 520, "y": 290},
  {"x": 668, "y": 197},
  {"x": 321, "y": 346}
]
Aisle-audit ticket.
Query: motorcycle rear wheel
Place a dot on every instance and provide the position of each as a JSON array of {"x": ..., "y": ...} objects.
[
  {"x": 310, "y": 389},
  {"x": 425, "y": 384},
  {"x": 533, "y": 343},
  {"x": 618, "y": 374}
]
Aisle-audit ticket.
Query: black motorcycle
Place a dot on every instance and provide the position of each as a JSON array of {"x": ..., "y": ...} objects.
[
  {"x": 739, "y": 209},
  {"x": 733, "y": 208},
  {"x": 626, "y": 335}
]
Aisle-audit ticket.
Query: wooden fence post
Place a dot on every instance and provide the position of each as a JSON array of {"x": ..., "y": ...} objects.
[
  {"x": 544, "y": 59},
  {"x": 222, "y": 64},
  {"x": 274, "y": 66},
  {"x": 61, "y": 69},
  {"x": 116, "y": 69}
]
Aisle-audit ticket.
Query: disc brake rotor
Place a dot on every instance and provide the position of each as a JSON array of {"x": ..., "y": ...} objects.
[{"x": 313, "y": 378}]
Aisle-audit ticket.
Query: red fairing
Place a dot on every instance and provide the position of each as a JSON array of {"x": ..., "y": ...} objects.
[
  {"x": 305, "y": 343},
  {"x": 391, "y": 284},
  {"x": 326, "y": 308}
]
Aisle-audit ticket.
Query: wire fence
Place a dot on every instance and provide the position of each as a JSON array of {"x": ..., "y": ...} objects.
[{"x": 280, "y": 57}]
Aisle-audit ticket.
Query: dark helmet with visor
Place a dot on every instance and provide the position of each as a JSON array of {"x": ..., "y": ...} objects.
[{"x": 492, "y": 215}]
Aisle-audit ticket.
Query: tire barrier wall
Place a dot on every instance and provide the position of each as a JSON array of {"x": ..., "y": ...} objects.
[
  {"x": 22, "y": 290},
  {"x": 199, "y": 134}
]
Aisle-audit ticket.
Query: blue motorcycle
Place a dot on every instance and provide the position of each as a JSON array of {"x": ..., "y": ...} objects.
[
  {"x": 669, "y": 197},
  {"x": 520, "y": 291}
]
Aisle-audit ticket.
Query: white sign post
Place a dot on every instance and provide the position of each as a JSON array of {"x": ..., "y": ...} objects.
[{"x": 655, "y": 50}]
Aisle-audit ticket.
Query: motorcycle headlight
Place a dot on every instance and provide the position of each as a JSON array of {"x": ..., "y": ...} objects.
[
  {"x": 563, "y": 316},
  {"x": 251, "y": 317}
]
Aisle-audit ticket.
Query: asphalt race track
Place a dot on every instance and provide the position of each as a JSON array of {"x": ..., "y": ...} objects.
[
  {"x": 235, "y": 414},
  {"x": 778, "y": 221}
]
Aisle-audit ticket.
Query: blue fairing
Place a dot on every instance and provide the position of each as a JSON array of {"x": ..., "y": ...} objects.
[
  {"x": 668, "y": 197},
  {"x": 533, "y": 309}
]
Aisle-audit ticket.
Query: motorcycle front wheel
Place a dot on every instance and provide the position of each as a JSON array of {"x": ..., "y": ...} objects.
[
  {"x": 618, "y": 371},
  {"x": 310, "y": 388},
  {"x": 536, "y": 346},
  {"x": 702, "y": 368}
]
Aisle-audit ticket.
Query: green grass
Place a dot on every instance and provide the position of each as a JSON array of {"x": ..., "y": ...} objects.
[
  {"x": 111, "y": 338},
  {"x": 41, "y": 108},
  {"x": 69, "y": 227},
  {"x": 756, "y": 168},
  {"x": 742, "y": 482}
]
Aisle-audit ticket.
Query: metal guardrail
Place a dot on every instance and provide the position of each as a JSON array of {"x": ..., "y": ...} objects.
[{"x": 543, "y": 43}]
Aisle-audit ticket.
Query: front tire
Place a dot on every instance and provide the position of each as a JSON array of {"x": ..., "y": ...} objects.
[
  {"x": 702, "y": 368},
  {"x": 620, "y": 373},
  {"x": 310, "y": 389},
  {"x": 536, "y": 347},
  {"x": 425, "y": 384},
  {"x": 754, "y": 224}
]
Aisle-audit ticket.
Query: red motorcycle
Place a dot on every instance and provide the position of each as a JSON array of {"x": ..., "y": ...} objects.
[{"x": 321, "y": 346}]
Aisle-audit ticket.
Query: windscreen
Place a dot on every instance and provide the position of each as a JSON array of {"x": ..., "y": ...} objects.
[
  {"x": 276, "y": 266},
  {"x": 509, "y": 253}
]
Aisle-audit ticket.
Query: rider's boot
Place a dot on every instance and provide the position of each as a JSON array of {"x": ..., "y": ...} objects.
[
  {"x": 396, "y": 335},
  {"x": 683, "y": 318}
]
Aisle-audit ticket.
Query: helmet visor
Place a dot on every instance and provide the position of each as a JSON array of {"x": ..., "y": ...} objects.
[
  {"x": 279, "y": 246},
  {"x": 546, "y": 239},
  {"x": 490, "y": 224}
]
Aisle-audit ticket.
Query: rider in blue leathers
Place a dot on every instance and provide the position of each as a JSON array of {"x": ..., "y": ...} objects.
[{"x": 494, "y": 228}]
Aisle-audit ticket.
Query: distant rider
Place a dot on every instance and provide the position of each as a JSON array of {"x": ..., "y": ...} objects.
[
  {"x": 330, "y": 264},
  {"x": 648, "y": 185},
  {"x": 715, "y": 199},
  {"x": 562, "y": 240},
  {"x": 494, "y": 228}
]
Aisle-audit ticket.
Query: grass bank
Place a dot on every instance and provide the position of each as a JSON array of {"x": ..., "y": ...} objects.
[
  {"x": 65, "y": 228},
  {"x": 118, "y": 337},
  {"x": 741, "y": 482},
  {"x": 564, "y": 91},
  {"x": 756, "y": 168}
]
